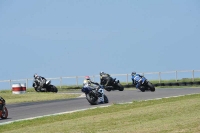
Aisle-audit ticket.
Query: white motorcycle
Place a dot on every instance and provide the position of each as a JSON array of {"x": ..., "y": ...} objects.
[{"x": 94, "y": 95}]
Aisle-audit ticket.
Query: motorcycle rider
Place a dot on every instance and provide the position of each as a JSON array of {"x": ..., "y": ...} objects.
[
  {"x": 3, "y": 109},
  {"x": 2, "y": 103},
  {"x": 105, "y": 77},
  {"x": 39, "y": 80},
  {"x": 137, "y": 79},
  {"x": 87, "y": 87}
]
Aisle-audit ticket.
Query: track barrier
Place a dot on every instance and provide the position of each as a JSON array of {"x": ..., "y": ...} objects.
[
  {"x": 19, "y": 88},
  {"x": 169, "y": 84}
]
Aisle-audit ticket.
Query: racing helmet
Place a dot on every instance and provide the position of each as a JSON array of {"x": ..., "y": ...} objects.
[
  {"x": 133, "y": 73},
  {"x": 101, "y": 73},
  {"x": 35, "y": 75},
  {"x": 87, "y": 77}
]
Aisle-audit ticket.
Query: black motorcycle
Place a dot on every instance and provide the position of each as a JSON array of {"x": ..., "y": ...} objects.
[
  {"x": 44, "y": 86},
  {"x": 112, "y": 85}
]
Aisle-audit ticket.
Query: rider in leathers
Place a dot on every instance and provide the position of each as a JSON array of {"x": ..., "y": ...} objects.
[
  {"x": 87, "y": 87},
  {"x": 2, "y": 103},
  {"x": 39, "y": 80},
  {"x": 105, "y": 77},
  {"x": 137, "y": 79}
]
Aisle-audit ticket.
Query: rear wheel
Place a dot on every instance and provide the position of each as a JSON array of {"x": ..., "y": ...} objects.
[
  {"x": 4, "y": 113},
  {"x": 54, "y": 89},
  {"x": 121, "y": 88},
  {"x": 150, "y": 85},
  {"x": 51, "y": 88}
]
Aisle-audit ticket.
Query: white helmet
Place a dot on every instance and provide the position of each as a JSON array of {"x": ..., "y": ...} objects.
[
  {"x": 35, "y": 75},
  {"x": 101, "y": 73}
]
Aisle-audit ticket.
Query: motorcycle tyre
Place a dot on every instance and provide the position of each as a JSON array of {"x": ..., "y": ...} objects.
[
  {"x": 54, "y": 89},
  {"x": 106, "y": 99},
  {"x": 121, "y": 88},
  {"x": 142, "y": 89},
  {"x": 152, "y": 88},
  {"x": 37, "y": 90},
  {"x": 4, "y": 113},
  {"x": 90, "y": 100}
]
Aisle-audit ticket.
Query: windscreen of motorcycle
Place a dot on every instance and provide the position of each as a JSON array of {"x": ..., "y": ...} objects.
[{"x": 48, "y": 82}]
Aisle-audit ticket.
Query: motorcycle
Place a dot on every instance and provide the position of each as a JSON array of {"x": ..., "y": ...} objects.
[
  {"x": 3, "y": 109},
  {"x": 44, "y": 86},
  {"x": 94, "y": 96},
  {"x": 146, "y": 85},
  {"x": 113, "y": 85}
]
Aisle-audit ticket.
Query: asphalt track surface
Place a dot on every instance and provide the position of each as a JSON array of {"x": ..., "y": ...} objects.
[{"x": 35, "y": 109}]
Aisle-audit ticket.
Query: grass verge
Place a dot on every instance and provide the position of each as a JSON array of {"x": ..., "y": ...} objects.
[
  {"x": 168, "y": 115},
  {"x": 34, "y": 96}
]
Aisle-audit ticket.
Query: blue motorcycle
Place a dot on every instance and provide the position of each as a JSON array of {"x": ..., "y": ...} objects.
[{"x": 145, "y": 85}]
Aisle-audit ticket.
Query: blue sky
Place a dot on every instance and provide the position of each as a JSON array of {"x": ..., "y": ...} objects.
[{"x": 83, "y": 37}]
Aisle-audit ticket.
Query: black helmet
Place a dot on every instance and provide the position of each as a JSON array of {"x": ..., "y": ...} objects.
[{"x": 133, "y": 73}]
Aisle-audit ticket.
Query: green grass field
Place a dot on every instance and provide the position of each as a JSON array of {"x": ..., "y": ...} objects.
[{"x": 168, "y": 115}]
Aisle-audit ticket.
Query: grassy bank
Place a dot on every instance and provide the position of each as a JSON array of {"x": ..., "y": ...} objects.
[{"x": 180, "y": 114}]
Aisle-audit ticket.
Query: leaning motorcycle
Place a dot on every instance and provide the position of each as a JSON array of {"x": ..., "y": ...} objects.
[
  {"x": 3, "y": 109},
  {"x": 94, "y": 96},
  {"x": 113, "y": 85},
  {"x": 146, "y": 85},
  {"x": 44, "y": 86}
]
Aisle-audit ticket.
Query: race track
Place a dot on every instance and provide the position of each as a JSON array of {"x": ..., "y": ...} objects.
[{"x": 29, "y": 110}]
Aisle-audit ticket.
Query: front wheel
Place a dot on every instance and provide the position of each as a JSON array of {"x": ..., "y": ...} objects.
[
  {"x": 121, "y": 88},
  {"x": 150, "y": 85},
  {"x": 106, "y": 99},
  {"x": 37, "y": 89},
  {"x": 4, "y": 113},
  {"x": 93, "y": 100},
  {"x": 142, "y": 88}
]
